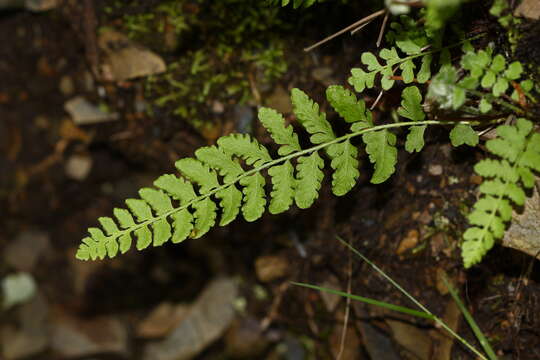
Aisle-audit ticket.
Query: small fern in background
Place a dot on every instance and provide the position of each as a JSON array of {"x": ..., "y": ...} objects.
[{"x": 517, "y": 148}]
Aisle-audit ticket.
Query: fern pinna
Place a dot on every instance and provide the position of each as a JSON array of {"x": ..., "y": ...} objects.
[
  {"x": 229, "y": 176},
  {"x": 518, "y": 148}
]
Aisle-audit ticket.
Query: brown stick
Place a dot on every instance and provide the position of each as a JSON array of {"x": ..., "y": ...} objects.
[{"x": 348, "y": 28}]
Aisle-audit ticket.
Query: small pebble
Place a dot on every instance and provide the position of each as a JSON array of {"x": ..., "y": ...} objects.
[
  {"x": 435, "y": 170},
  {"x": 409, "y": 242}
]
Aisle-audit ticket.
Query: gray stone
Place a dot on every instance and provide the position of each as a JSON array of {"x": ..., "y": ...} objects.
[
  {"x": 66, "y": 85},
  {"x": 529, "y": 9},
  {"x": 330, "y": 300},
  {"x": 161, "y": 320},
  {"x": 280, "y": 100},
  {"x": 30, "y": 336},
  {"x": 32, "y": 5},
  {"x": 41, "y": 5},
  {"x": 16, "y": 289},
  {"x": 73, "y": 337},
  {"x": 524, "y": 232},
  {"x": 209, "y": 317},
  {"x": 125, "y": 59},
  {"x": 269, "y": 268},
  {"x": 84, "y": 112},
  {"x": 78, "y": 166},
  {"x": 324, "y": 76},
  {"x": 24, "y": 252}
]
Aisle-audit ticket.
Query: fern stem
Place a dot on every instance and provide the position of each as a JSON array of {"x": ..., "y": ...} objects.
[{"x": 283, "y": 159}]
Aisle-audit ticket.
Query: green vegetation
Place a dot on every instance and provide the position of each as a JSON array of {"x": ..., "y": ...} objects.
[
  {"x": 481, "y": 89},
  {"x": 212, "y": 52}
]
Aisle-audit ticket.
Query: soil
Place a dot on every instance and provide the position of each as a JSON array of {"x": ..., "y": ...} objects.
[{"x": 419, "y": 203}]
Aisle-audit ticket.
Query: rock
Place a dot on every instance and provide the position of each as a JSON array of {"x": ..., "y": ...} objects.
[
  {"x": 32, "y": 5},
  {"x": 330, "y": 300},
  {"x": 243, "y": 119},
  {"x": 324, "y": 76},
  {"x": 377, "y": 344},
  {"x": 245, "y": 340},
  {"x": 78, "y": 167},
  {"x": 30, "y": 337},
  {"x": 84, "y": 112},
  {"x": 66, "y": 85},
  {"x": 411, "y": 338},
  {"x": 280, "y": 100},
  {"x": 351, "y": 344},
  {"x": 41, "y": 5},
  {"x": 524, "y": 232},
  {"x": 409, "y": 242},
  {"x": 125, "y": 60},
  {"x": 208, "y": 318},
  {"x": 73, "y": 337},
  {"x": 218, "y": 107},
  {"x": 444, "y": 342},
  {"x": 161, "y": 320},
  {"x": 435, "y": 169},
  {"x": 16, "y": 289},
  {"x": 24, "y": 252},
  {"x": 270, "y": 268},
  {"x": 529, "y": 9}
]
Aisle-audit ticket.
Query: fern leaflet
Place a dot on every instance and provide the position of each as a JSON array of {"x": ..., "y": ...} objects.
[{"x": 518, "y": 148}]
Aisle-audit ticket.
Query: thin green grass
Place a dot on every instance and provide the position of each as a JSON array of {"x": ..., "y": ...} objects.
[{"x": 424, "y": 313}]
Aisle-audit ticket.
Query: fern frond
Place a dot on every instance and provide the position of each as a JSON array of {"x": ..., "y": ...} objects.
[
  {"x": 518, "y": 148},
  {"x": 228, "y": 178}
]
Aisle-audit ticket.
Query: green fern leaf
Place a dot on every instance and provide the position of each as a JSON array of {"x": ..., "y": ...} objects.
[
  {"x": 176, "y": 187},
  {"x": 307, "y": 112},
  {"x": 282, "y": 195},
  {"x": 231, "y": 199},
  {"x": 308, "y": 181},
  {"x": 254, "y": 197},
  {"x": 361, "y": 80},
  {"x": 108, "y": 225},
  {"x": 144, "y": 237},
  {"x": 463, "y": 134},
  {"x": 245, "y": 147},
  {"x": 347, "y": 105},
  {"x": 380, "y": 146},
  {"x": 125, "y": 241},
  {"x": 157, "y": 200},
  {"x": 345, "y": 165},
  {"x": 411, "y": 104},
  {"x": 183, "y": 225},
  {"x": 124, "y": 218},
  {"x": 407, "y": 73},
  {"x": 199, "y": 173},
  {"x": 205, "y": 217},
  {"x": 162, "y": 232},
  {"x": 424, "y": 74},
  {"x": 415, "y": 139},
  {"x": 218, "y": 160},
  {"x": 282, "y": 135},
  {"x": 140, "y": 209},
  {"x": 100, "y": 241}
]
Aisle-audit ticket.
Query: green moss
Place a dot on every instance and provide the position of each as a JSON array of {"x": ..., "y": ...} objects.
[{"x": 213, "y": 49}]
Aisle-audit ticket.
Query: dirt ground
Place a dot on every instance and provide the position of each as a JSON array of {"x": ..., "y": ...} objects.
[{"x": 410, "y": 226}]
